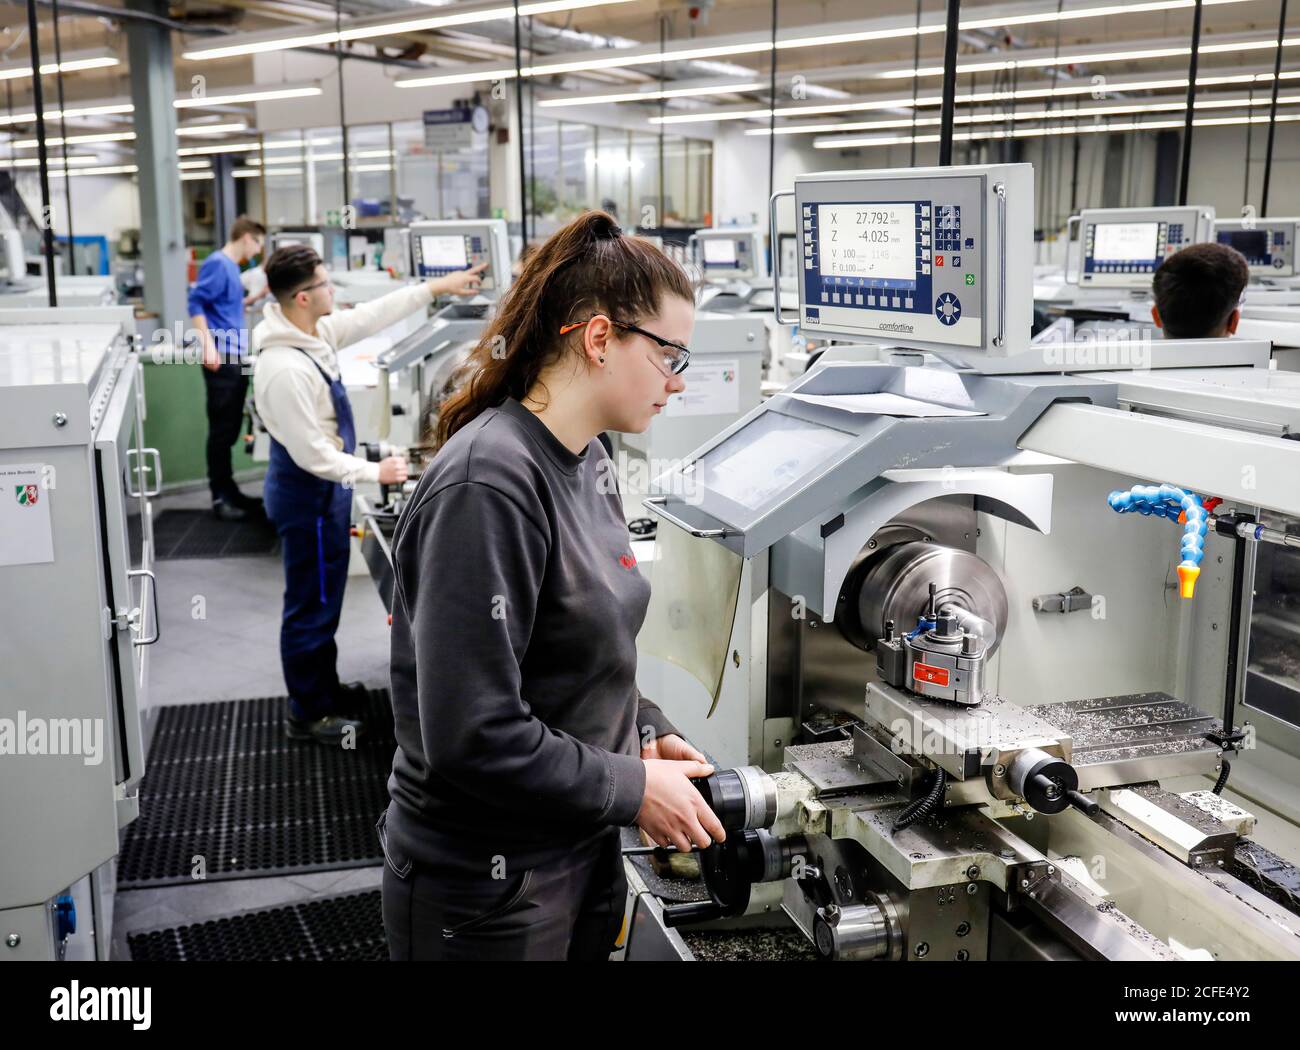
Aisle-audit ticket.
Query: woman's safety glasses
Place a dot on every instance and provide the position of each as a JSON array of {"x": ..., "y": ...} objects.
[{"x": 674, "y": 359}]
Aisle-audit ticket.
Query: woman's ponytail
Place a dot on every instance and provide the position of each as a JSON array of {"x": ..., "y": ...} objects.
[{"x": 585, "y": 267}]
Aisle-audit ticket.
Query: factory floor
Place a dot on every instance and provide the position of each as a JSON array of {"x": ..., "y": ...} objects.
[{"x": 234, "y": 654}]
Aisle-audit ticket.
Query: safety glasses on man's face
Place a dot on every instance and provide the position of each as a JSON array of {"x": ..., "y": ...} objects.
[
  {"x": 675, "y": 356},
  {"x": 313, "y": 287}
]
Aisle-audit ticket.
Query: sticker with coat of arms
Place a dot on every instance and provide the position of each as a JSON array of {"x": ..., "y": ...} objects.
[{"x": 26, "y": 530}]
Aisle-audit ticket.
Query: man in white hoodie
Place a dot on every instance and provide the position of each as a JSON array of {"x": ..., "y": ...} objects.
[{"x": 301, "y": 400}]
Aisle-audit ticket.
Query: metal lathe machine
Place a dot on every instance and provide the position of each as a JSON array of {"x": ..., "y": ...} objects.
[{"x": 1012, "y": 621}]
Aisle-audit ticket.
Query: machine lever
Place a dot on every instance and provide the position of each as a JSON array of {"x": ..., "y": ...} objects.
[
  {"x": 1082, "y": 802},
  {"x": 646, "y": 851},
  {"x": 695, "y": 911},
  {"x": 1076, "y": 599}
]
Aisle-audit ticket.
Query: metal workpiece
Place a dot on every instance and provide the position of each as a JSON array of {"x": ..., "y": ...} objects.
[
  {"x": 897, "y": 587},
  {"x": 1179, "y": 827}
]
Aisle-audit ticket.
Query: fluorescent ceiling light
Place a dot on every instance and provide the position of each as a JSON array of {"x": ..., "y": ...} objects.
[
  {"x": 70, "y": 64},
  {"x": 223, "y": 96},
  {"x": 647, "y": 96},
  {"x": 185, "y": 165},
  {"x": 850, "y": 142},
  {"x": 195, "y": 176},
  {"x": 212, "y": 129},
  {"x": 458, "y": 78},
  {"x": 1171, "y": 106},
  {"x": 389, "y": 26},
  {"x": 364, "y": 154},
  {"x": 964, "y": 99},
  {"x": 51, "y": 162},
  {"x": 109, "y": 109},
  {"x": 225, "y": 147},
  {"x": 227, "y": 96},
  {"x": 112, "y": 169},
  {"x": 755, "y": 44},
  {"x": 1091, "y": 58},
  {"x": 373, "y": 167},
  {"x": 76, "y": 140},
  {"x": 120, "y": 136},
  {"x": 246, "y": 173}
]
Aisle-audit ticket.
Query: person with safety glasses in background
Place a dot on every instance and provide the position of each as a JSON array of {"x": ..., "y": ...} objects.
[{"x": 300, "y": 398}]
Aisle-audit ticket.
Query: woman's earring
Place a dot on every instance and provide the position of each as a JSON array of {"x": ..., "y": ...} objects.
[{"x": 602, "y": 360}]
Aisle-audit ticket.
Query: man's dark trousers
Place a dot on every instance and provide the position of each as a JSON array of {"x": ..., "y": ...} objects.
[{"x": 226, "y": 389}]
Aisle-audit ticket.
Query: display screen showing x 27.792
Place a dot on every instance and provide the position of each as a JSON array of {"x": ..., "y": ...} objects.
[{"x": 903, "y": 269}]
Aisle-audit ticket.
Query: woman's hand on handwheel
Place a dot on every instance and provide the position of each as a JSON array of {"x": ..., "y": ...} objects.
[{"x": 672, "y": 811}]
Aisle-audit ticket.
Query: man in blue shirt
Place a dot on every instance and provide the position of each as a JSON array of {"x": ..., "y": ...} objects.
[{"x": 216, "y": 305}]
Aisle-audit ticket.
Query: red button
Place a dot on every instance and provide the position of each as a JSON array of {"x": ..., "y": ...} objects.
[{"x": 938, "y": 260}]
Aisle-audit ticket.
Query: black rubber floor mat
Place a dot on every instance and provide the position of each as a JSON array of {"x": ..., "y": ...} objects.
[
  {"x": 226, "y": 795},
  {"x": 184, "y": 533},
  {"x": 348, "y": 928}
]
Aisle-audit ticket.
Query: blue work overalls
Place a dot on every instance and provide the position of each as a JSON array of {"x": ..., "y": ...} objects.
[{"x": 312, "y": 516}]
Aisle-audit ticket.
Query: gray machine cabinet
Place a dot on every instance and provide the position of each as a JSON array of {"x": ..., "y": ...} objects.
[{"x": 75, "y": 629}]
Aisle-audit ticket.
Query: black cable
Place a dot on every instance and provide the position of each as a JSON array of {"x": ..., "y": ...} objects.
[
  {"x": 519, "y": 125},
  {"x": 532, "y": 139},
  {"x": 924, "y": 806},
  {"x": 1250, "y": 109},
  {"x": 343, "y": 122},
  {"x": 771, "y": 122},
  {"x": 949, "y": 84},
  {"x": 1225, "y": 770},
  {"x": 63, "y": 134},
  {"x": 1186, "y": 166},
  {"x": 916, "y": 65},
  {"x": 1051, "y": 100},
  {"x": 970, "y": 138},
  {"x": 663, "y": 109},
  {"x": 1015, "y": 86},
  {"x": 14, "y": 202},
  {"x": 42, "y": 154},
  {"x": 1272, "y": 107}
]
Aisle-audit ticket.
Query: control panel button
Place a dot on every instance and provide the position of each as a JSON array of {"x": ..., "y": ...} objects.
[{"x": 947, "y": 308}]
